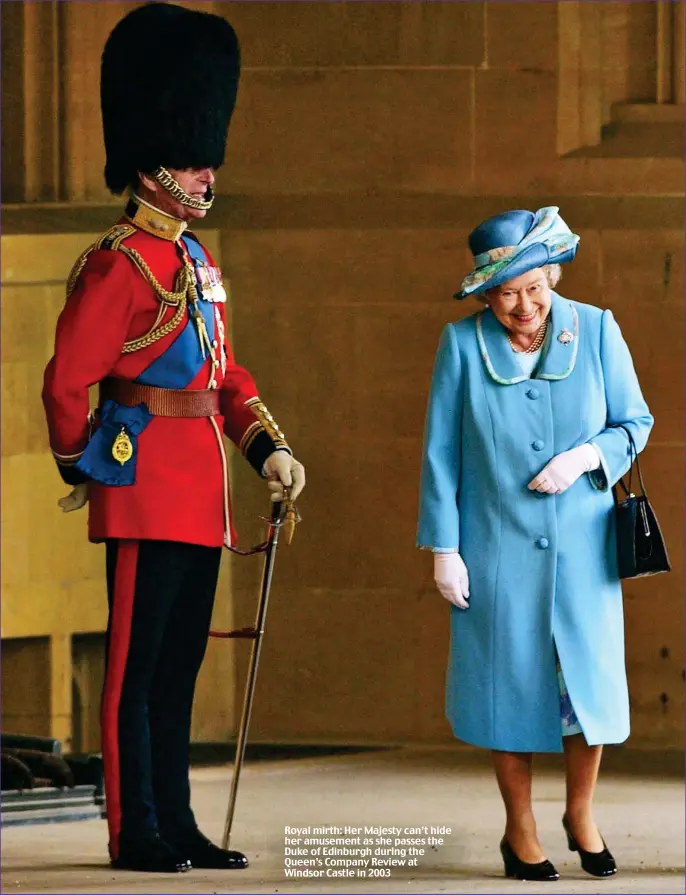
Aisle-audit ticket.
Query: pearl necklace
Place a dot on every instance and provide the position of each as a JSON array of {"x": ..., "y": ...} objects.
[{"x": 537, "y": 342}]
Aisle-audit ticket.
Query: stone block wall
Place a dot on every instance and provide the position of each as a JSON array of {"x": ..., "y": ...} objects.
[{"x": 368, "y": 140}]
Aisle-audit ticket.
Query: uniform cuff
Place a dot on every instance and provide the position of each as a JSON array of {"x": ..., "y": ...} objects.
[
  {"x": 260, "y": 448},
  {"x": 262, "y": 437},
  {"x": 72, "y": 475},
  {"x": 66, "y": 466}
]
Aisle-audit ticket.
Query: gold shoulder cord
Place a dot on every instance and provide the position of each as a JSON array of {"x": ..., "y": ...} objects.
[
  {"x": 176, "y": 298},
  {"x": 113, "y": 239}
]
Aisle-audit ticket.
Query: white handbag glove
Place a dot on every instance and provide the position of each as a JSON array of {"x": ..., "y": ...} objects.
[
  {"x": 565, "y": 469},
  {"x": 74, "y": 501},
  {"x": 283, "y": 470},
  {"x": 452, "y": 578}
]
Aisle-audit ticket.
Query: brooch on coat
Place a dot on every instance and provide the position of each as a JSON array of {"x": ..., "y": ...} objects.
[{"x": 565, "y": 337}]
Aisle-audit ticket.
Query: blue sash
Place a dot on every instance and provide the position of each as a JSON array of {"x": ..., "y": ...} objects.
[
  {"x": 183, "y": 360},
  {"x": 176, "y": 368}
]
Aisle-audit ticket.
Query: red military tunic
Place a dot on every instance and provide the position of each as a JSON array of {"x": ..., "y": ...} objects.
[{"x": 181, "y": 483}]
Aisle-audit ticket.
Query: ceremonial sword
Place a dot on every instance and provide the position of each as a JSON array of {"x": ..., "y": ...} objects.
[{"x": 284, "y": 515}]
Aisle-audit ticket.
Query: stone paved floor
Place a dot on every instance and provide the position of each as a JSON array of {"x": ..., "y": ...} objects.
[{"x": 642, "y": 819}]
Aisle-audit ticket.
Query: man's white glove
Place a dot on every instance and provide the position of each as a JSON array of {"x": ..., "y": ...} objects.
[
  {"x": 565, "y": 469},
  {"x": 74, "y": 501},
  {"x": 452, "y": 578},
  {"x": 283, "y": 470}
]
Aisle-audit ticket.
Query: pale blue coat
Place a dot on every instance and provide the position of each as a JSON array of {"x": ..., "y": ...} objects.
[{"x": 542, "y": 568}]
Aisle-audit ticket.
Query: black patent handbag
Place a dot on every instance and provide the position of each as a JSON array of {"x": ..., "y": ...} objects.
[{"x": 641, "y": 549}]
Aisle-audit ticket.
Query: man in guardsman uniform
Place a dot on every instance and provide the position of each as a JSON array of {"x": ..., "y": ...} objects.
[{"x": 145, "y": 318}]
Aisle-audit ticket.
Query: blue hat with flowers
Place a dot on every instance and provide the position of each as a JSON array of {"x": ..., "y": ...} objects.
[{"x": 509, "y": 244}]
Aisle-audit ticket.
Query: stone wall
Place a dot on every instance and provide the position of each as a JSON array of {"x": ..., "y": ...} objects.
[{"x": 368, "y": 140}]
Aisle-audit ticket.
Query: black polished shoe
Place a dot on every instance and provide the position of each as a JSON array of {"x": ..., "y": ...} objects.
[
  {"x": 543, "y": 871},
  {"x": 206, "y": 855},
  {"x": 597, "y": 863},
  {"x": 149, "y": 854}
]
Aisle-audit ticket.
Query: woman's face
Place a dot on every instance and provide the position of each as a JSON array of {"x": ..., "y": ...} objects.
[{"x": 522, "y": 304}]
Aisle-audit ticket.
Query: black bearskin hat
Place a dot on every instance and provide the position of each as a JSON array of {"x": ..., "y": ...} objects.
[{"x": 168, "y": 85}]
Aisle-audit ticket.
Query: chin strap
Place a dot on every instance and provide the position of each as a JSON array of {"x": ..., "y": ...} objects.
[{"x": 174, "y": 188}]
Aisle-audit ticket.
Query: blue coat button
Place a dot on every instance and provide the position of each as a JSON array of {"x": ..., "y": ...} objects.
[
  {"x": 543, "y": 543},
  {"x": 538, "y": 445},
  {"x": 533, "y": 393}
]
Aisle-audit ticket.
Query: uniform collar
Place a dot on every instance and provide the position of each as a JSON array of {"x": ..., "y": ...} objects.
[
  {"x": 150, "y": 219},
  {"x": 501, "y": 361}
]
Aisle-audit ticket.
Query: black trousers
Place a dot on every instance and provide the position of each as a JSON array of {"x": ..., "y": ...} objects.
[{"x": 160, "y": 597}]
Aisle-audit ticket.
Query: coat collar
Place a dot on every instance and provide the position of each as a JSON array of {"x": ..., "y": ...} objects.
[
  {"x": 559, "y": 353},
  {"x": 152, "y": 220}
]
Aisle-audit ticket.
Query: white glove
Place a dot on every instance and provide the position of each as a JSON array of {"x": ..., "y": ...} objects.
[
  {"x": 452, "y": 578},
  {"x": 283, "y": 470},
  {"x": 565, "y": 469},
  {"x": 74, "y": 501}
]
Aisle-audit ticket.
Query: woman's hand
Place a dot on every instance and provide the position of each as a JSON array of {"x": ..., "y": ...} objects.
[
  {"x": 565, "y": 469},
  {"x": 452, "y": 578},
  {"x": 283, "y": 470}
]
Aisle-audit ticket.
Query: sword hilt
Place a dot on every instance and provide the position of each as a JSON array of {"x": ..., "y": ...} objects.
[{"x": 285, "y": 513}]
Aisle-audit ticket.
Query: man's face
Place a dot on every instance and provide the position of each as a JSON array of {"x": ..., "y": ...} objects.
[{"x": 194, "y": 181}]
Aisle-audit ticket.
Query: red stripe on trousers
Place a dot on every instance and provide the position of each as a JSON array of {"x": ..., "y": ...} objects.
[{"x": 120, "y": 635}]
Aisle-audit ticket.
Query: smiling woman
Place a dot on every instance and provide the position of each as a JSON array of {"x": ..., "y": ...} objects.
[
  {"x": 520, "y": 456},
  {"x": 522, "y": 306}
]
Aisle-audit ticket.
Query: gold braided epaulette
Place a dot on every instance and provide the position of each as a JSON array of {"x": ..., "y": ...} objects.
[
  {"x": 113, "y": 239},
  {"x": 264, "y": 423}
]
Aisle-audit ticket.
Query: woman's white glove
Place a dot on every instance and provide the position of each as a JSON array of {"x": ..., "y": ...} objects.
[
  {"x": 565, "y": 469},
  {"x": 74, "y": 501},
  {"x": 452, "y": 578},
  {"x": 283, "y": 470}
]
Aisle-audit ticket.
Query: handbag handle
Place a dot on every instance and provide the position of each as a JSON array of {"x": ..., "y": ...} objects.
[{"x": 634, "y": 459}]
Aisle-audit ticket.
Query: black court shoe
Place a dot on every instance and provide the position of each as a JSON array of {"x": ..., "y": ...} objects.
[
  {"x": 597, "y": 863},
  {"x": 149, "y": 854},
  {"x": 543, "y": 871},
  {"x": 206, "y": 855}
]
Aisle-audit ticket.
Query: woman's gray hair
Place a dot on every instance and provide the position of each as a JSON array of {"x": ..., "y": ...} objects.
[{"x": 553, "y": 274}]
